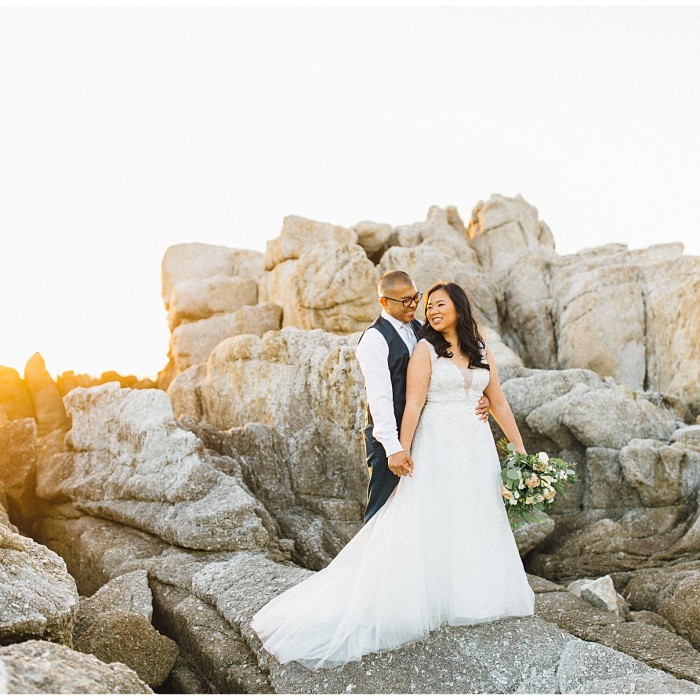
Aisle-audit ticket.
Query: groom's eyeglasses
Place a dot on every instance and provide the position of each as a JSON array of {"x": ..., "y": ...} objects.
[{"x": 407, "y": 301}]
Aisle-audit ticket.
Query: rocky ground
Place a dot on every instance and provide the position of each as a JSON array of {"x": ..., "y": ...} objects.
[{"x": 142, "y": 526}]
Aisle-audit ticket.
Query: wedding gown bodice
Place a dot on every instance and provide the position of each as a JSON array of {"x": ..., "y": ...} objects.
[{"x": 450, "y": 383}]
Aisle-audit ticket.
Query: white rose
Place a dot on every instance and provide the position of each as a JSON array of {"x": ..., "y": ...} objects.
[{"x": 543, "y": 457}]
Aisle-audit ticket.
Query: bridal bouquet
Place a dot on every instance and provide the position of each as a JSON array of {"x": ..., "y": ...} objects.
[{"x": 531, "y": 482}]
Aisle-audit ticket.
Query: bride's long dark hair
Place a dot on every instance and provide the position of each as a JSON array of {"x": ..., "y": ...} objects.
[{"x": 471, "y": 344}]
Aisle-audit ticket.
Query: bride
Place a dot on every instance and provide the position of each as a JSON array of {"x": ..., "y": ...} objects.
[{"x": 440, "y": 550}]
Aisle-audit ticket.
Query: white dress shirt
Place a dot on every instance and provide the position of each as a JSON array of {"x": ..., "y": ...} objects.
[{"x": 373, "y": 355}]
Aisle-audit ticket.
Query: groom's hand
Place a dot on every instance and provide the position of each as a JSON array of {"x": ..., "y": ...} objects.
[
  {"x": 482, "y": 408},
  {"x": 400, "y": 463}
]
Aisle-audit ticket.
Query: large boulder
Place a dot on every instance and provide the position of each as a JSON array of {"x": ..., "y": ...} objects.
[
  {"x": 673, "y": 593},
  {"x": 587, "y": 545},
  {"x": 198, "y": 298},
  {"x": 187, "y": 261},
  {"x": 502, "y": 226},
  {"x": 130, "y": 639},
  {"x": 130, "y": 461},
  {"x": 635, "y": 308},
  {"x": 127, "y": 593},
  {"x": 672, "y": 297},
  {"x": 525, "y": 306},
  {"x": 374, "y": 238},
  {"x": 44, "y": 668},
  {"x": 299, "y": 234},
  {"x": 530, "y": 535},
  {"x": 603, "y": 304},
  {"x": 184, "y": 394},
  {"x": 97, "y": 550},
  {"x": 662, "y": 473},
  {"x": 305, "y": 458},
  {"x": 331, "y": 285},
  {"x": 598, "y": 294},
  {"x": 611, "y": 418},
  {"x": 191, "y": 343},
  {"x": 250, "y": 380},
  {"x": 39, "y": 597}
]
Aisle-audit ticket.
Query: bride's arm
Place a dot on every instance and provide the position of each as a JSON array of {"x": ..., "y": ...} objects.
[
  {"x": 500, "y": 409},
  {"x": 417, "y": 380}
]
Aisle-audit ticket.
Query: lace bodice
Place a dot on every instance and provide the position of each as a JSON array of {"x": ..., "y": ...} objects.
[{"x": 449, "y": 383}]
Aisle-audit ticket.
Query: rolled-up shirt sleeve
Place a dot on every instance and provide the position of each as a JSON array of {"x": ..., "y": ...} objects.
[{"x": 373, "y": 354}]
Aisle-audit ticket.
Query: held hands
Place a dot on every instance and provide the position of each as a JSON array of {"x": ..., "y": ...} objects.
[
  {"x": 482, "y": 408},
  {"x": 400, "y": 463}
]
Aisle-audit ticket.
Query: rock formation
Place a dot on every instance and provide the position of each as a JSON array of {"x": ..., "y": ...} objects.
[
  {"x": 625, "y": 314},
  {"x": 181, "y": 513},
  {"x": 129, "y": 461},
  {"x": 15, "y": 401},
  {"x": 49, "y": 411},
  {"x": 38, "y": 595},
  {"x": 128, "y": 593},
  {"x": 43, "y": 668},
  {"x": 129, "y": 639},
  {"x": 210, "y": 293}
]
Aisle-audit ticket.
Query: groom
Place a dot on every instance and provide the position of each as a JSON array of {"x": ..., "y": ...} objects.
[{"x": 383, "y": 352}]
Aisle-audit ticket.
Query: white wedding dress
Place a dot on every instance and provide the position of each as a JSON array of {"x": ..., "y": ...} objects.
[{"x": 439, "y": 551}]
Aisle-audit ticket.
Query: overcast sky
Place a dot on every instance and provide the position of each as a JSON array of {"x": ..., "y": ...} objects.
[{"x": 126, "y": 130}]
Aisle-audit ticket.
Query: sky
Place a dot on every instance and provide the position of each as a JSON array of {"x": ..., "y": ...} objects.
[{"x": 125, "y": 130}]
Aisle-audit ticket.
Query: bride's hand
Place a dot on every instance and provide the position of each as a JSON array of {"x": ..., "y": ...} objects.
[
  {"x": 400, "y": 463},
  {"x": 482, "y": 408}
]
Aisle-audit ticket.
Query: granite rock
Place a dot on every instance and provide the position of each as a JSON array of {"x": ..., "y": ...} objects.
[
  {"x": 39, "y": 597},
  {"x": 202, "y": 297},
  {"x": 130, "y": 639},
  {"x": 43, "y": 668},
  {"x": 126, "y": 593},
  {"x": 129, "y": 461},
  {"x": 191, "y": 343},
  {"x": 186, "y": 261}
]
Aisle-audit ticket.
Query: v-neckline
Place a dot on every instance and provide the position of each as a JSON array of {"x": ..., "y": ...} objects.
[{"x": 461, "y": 369}]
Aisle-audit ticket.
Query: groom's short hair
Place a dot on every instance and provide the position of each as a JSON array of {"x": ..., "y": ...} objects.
[{"x": 392, "y": 279}]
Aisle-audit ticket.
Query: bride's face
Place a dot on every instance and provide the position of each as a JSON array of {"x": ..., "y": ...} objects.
[{"x": 441, "y": 312}]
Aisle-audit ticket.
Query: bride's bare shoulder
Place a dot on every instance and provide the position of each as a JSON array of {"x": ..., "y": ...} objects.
[{"x": 423, "y": 352}]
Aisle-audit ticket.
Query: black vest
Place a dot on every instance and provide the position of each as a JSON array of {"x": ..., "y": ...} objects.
[{"x": 398, "y": 364}]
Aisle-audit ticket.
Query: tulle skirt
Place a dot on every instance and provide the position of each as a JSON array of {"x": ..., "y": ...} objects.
[{"x": 440, "y": 551}]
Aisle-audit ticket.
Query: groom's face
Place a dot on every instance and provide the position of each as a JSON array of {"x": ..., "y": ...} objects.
[{"x": 402, "y": 313}]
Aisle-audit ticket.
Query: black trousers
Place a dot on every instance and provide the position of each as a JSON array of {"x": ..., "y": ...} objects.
[{"x": 382, "y": 481}]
